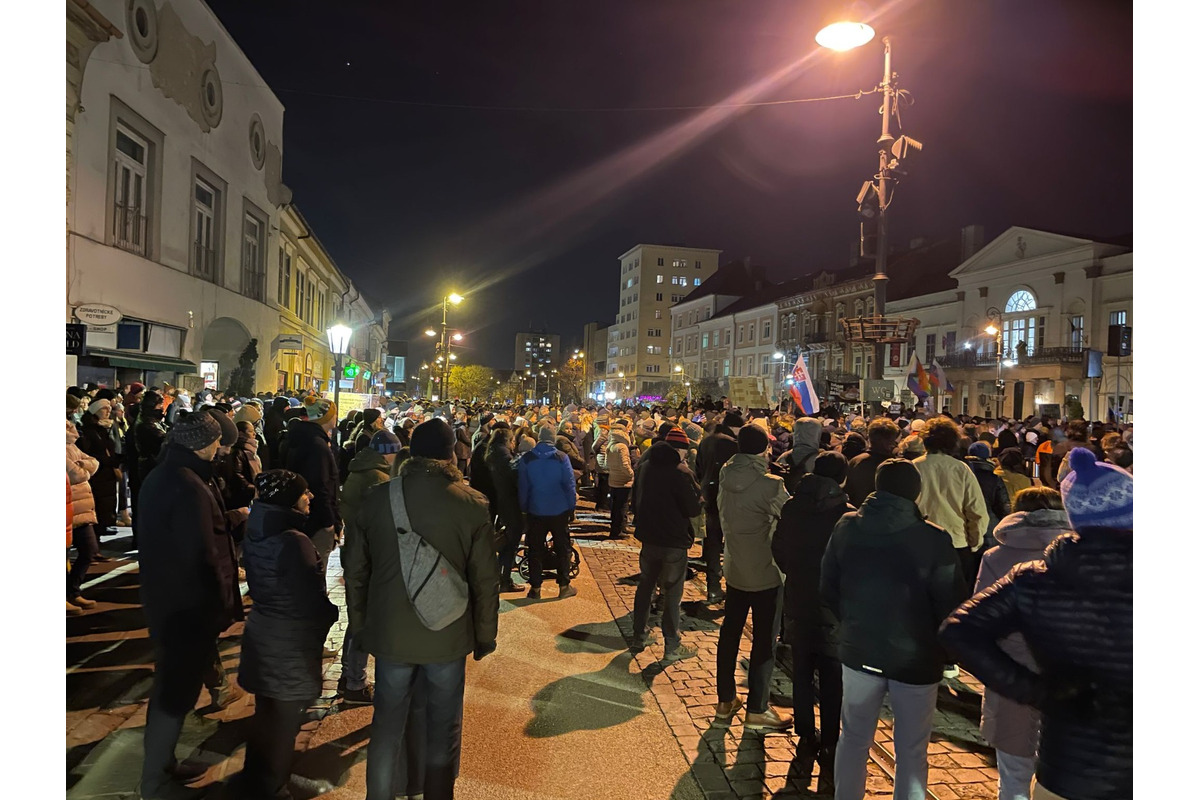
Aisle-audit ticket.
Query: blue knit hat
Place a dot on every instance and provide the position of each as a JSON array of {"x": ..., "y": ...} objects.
[
  {"x": 1097, "y": 495},
  {"x": 384, "y": 442},
  {"x": 979, "y": 450}
]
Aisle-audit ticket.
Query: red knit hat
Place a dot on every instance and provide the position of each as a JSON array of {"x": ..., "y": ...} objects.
[{"x": 677, "y": 438}]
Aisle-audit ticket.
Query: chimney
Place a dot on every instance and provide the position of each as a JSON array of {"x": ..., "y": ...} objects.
[{"x": 972, "y": 241}]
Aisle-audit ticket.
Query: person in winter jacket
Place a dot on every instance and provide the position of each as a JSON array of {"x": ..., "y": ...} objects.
[
  {"x": 805, "y": 525},
  {"x": 950, "y": 495},
  {"x": 285, "y": 630},
  {"x": 715, "y": 449},
  {"x": 309, "y": 452},
  {"x": 889, "y": 576},
  {"x": 462, "y": 442},
  {"x": 882, "y": 437},
  {"x": 370, "y": 467},
  {"x": 620, "y": 476},
  {"x": 565, "y": 443},
  {"x": 995, "y": 494},
  {"x": 600, "y": 448},
  {"x": 1076, "y": 436},
  {"x": 1012, "y": 472},
  {"x": 189, "y": 591},
  {"x": 96, "y": 439},
  {"x": 500, "y": 466},
  {"x": 274, "y": 424},
  {"x": 750, "y": 502},
  {"x": 547, "y": 490},
  {"x": 411, "y": 659},
  {"x": 1010, "y": 727},
  {"x": 1075, "y": 610},
  {"x": 372, "y": 421},
  {"x": 806, "y": 443},
  {"x": 80, "y": 468},
  {"x": 667, "y": 497}
]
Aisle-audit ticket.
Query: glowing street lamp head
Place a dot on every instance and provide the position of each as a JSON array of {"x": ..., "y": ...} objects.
[
  {"x": 430, "y": 332},
  {"x": 778, "y": 356},
  {"x": 991, "y": 330},
  {"x": 457, "y": 337},
  {"x": 339, "y": 339},
  {"x": 845, "y": 35},
  {"x": 679, "y": 368},
  {"x": 455, "y": 298}
]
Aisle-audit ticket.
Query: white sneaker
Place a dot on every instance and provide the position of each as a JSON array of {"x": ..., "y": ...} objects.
[{"x": 950, "y": 671}]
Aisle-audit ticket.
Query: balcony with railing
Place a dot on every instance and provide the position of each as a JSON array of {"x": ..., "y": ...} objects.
[
  {"x": 130, "y": 229},
  {"x": 970, "y": 359}
]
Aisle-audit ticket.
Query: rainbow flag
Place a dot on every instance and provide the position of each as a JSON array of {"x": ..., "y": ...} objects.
[
  {"x": 918, "y": 379},
  {"x": 802, "y": 388}
]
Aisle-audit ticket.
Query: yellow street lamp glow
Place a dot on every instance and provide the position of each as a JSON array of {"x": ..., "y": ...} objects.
[
  {"x": 457, "y": 337},
  {"x": 455, "y": 298},
  {"x": 430, "y": 332},
  {"x": 679, "y": 368},
  {"x": 991, "y": 330},
  {"x": 845, "y": 35}
]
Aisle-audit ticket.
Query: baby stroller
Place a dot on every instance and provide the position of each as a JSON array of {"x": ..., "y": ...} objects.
[{"x": 549, "y": 564}]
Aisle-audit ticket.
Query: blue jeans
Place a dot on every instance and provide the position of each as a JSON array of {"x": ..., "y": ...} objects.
[
  {"x": 1016, "y": 775},
  {"x": 913, "y": 706},
  {"x": 396, "y": 687},
  {"x": 665, "y": 567}
]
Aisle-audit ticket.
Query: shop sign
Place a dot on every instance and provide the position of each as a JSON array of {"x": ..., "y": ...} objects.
[
  {"x": 76, "y": 336},
  {"x": 97, "y": 315},
  {"x": 879, "y": 391},
  {"x": 289, "y": 343}
]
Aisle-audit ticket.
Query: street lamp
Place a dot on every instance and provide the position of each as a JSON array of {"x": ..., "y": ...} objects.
[
  {"x": 995, "y": 330},
  {"x": 875, "y": 196},
  {"x": 687, "y": 381},
  {"x": 339, "y": 343},
  {"x": 454, "y": 298}
]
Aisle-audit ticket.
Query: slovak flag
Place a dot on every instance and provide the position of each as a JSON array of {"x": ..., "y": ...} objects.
[
  {"x": 918, "y": 379},
  {"x": 937, "y": 376},
  {"x": 802, "y": 388}
]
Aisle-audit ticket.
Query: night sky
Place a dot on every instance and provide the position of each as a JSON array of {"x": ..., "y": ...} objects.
[{"x": 507, "y": 150}]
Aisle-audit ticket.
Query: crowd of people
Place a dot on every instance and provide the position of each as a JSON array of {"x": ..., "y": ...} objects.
[{"x": 854, "y": 539}]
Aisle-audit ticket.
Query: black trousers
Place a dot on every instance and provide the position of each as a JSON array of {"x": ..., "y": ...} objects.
[
  {"x": 535, "y": 546},
  {"x": 620, "y": 497},
  {"x": 970, "y": 562},
  {"x": 713, "y": 547},
  {"x": 184, "y": 662},
  {"x": 601, "y": 490},
  {"x": 828, "y": 671},
  {"x": 270, "y": 748},
  {"x": 766, "y": 606}
]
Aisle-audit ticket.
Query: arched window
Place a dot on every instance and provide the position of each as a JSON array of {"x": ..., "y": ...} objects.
[
  {"x": 858, "y": 308},
  {"x": 1021, "y": 300}
]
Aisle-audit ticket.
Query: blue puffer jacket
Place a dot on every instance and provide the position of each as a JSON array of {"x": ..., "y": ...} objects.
[
  {"x": 546, "y": 481},
  {"x": 281, "y": 649}
]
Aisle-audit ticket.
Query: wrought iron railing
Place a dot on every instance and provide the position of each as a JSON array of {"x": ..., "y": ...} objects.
[
  {"x": 970, "y": 359},
  {"x": 130, "y": 229}
]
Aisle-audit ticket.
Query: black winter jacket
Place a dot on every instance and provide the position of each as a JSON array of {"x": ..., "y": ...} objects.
[
  {"x": 860, "y": 474},
  {"x": 97, "y": 442},
  {"x": 506, "y": 487},
  {"x": 1075, "y": 609},
  {"x": 803, "y": 532},
  {"x": 994, "y": 492},
  {"x": 151, "y": 436},
  {"x": 185, "y": 552},
  {"x": 287, "y": 625},
  {"x": 273, "y": 427},
  {"x": 715, "y": 450},
  {"x": 564, "y": 444},
  {"x": 481, "y": 476},
  {"x": 891, "y": 577},
  {"x": 666, "y": 499},
  {"x": 310, "y": 454}
]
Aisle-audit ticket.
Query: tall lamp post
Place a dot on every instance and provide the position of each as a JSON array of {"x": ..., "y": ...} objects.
[
  {"x": 454, "y": 298},
  {"x": 875, "y": 196},
  {"x": 339, "y": 343},
  {"x": 995, "y": 329},
  {"x": 687, "y": 381}
]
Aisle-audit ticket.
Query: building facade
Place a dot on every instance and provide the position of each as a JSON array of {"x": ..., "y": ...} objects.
[
  {"x": 595, "y": 351},
  {"x": 653, "y": 278},
  {"x": 536, "y": 350}
]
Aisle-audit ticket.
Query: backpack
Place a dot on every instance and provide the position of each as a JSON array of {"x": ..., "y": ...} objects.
[{"x": 436, "y": 589}]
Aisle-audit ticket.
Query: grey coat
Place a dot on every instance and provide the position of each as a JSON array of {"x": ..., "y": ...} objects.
[{"x": 1023, "y": 536}]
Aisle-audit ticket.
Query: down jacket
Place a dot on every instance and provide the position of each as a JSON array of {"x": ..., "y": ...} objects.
[
  {"x": 1010, "y": 726},
  {"x": 80, "y": 467},
  {"x": 666, "y": 499},
  {"x": 1075, "y": 609},
  {"x": 287, "y": 625},
  {"x": 620, "y": 460}
]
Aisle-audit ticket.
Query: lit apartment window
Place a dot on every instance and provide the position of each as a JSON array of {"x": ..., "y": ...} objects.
[
  {"x": 204, "y": 216},
  {"x": 658, "y": 313},
  {"x": 704, "y": 340},
  {"x": 695, "y": 281},
  {"x": 130, "y": 197},
  {"x": 1116, "y": 317},
  {"x": 658, "y": 278},
  {"x": 1077, "y": 332}
]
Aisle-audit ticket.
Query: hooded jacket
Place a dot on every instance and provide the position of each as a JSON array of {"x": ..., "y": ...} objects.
[
  {"x": 80, "y": 467},
  {"x": 1022, "y": 536},
  {"x": 714, "y": 451},
  {"x": 995, "y": 495},
  {"x": 565, "y": 444},
  {"x": 750, "y": 501},
  {"x": 546, "y": 482},
  {"x": 186, "y": 558},
  {"x": 290, "y": 617},
  {"x": 890, "y": 577},
  {"x": 453, "y": 518},
  {"x": 667, "y": 498},
  {"x": 620, "y": 460},
  {"x": 860, "y": 473},
  {"x": 1075, "y": 609},
  {"x": 309, "y": 454},
  {"x": 805, "y": 525},
  {"x": 806, "y": 444}
]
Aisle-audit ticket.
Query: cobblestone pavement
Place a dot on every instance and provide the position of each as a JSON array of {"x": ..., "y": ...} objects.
[{"x": 110, "y": 665}]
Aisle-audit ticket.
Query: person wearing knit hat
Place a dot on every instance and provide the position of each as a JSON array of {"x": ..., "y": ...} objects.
[
  {"x": 677, "y": 438},
  {"x": 321, "y": 411},
  {"x": 805, "y": 525},
  {"x": 248, "y": 413},
  {"x": 1074, "y": 609},
  {"x": 749, "y": 502},
  {"x": 433, "y": 439},
  {"x": 385, "y": 443},
  {"x": 290, "y": 617},
  {"x": 189, "y": 589},
  {"x": 889, "y": 576},
  {"x": 307, "y": 448}
]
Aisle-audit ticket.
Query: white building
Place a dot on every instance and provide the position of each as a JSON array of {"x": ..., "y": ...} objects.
[{"x": 653, "y": 278}]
